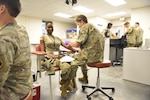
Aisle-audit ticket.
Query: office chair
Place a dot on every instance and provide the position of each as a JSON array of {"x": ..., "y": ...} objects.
[{"x": 97, "y": 88}]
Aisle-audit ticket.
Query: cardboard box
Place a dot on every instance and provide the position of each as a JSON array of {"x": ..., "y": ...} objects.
[{"x": 36, "y": 91}]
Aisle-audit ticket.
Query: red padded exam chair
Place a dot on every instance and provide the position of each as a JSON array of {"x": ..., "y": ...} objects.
[{"x": 39, "y": 54}]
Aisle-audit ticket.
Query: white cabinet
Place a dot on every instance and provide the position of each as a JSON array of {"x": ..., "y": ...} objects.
[
  {"x": 106, "y": 48},
  {"x": 136, "y": 65}
]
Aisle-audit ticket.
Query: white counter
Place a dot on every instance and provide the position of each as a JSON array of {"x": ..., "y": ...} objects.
[{"x": 136, "y": 65}]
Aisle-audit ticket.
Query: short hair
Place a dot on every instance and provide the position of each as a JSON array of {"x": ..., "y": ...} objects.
[
  {"x": 49, "y": 22},
  {"x": 137, "y": 23},
  {"x": 80, "y": 18},
  {"x": 126, "y": 23},
  {"x": 109, "y": 24},
  {"x": 13, "y": 6}
]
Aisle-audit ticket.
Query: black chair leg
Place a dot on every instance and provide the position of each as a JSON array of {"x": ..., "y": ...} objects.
[
  {"x": 106, "y": 88},
  {"x": 83, "y": 87},
  {"x": 100, "y": 90}
]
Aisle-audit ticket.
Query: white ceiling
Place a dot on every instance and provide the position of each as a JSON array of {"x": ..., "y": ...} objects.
[{"x": 45, "y": 9}]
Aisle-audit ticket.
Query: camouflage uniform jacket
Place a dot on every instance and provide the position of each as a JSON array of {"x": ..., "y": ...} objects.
[
  {"x": 91, "y": 43},
  {"x": 51, "y": 43},
  {"x": 139, "y": 35},
  {"x": 131, "y": 35},
  {"x": 107, "y": 33},
  {"x": 15, "y": 62}
]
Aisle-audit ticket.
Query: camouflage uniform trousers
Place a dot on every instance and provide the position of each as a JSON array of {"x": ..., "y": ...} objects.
[
  {"x": 49, "y": 63},
  {"x": 84, "y": 70},
  {"x": 68, "y": 69}
]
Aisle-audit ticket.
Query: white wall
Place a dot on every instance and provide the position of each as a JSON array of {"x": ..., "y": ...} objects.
[
  {"x": 33, "y": 26},
  {"x": 142, "y": 15},
  {"x": 98, "y": 22},
  {"x": 60, "y": 28}
]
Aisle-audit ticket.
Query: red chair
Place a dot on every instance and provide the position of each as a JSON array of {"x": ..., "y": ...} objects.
[
  {"x": 96, "y": 88},
  {"x": 39, "y": 54},
  {"x": 38, "y": 47}
]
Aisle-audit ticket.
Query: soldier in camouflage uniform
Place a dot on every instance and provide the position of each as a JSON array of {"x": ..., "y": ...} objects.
[
  {"x": 131, "y": 35},
  {"x": 91, "y": 42},
  {"x": 106, "y": 31},
  {"x": 51, "y": 45},
  {"x": 15, "y": 62},
  {"x": 139, "y": 40},
  {"x": 85, "y": 30}
]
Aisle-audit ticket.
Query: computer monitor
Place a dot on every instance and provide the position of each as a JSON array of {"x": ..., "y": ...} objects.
[{"x": 147, "y": 43}]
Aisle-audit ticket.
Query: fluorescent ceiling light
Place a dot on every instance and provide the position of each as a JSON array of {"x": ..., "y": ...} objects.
[
  {"x": 116, "y": 14},
  {"x": 62, "y": 15},
  {"x": 116, "y": 2},
  {"x": 82, "y": 9}
]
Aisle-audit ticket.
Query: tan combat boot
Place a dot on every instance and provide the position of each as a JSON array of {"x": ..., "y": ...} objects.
[
  {"x": 83, "y": 79},
  {"x": 64, "y": 91},
  {"x": 64, "y": 88},
  {"x": 70, "y": 88}
]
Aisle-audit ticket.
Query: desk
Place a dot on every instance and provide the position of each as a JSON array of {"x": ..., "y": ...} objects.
[{"x": 136, "y": 65}]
